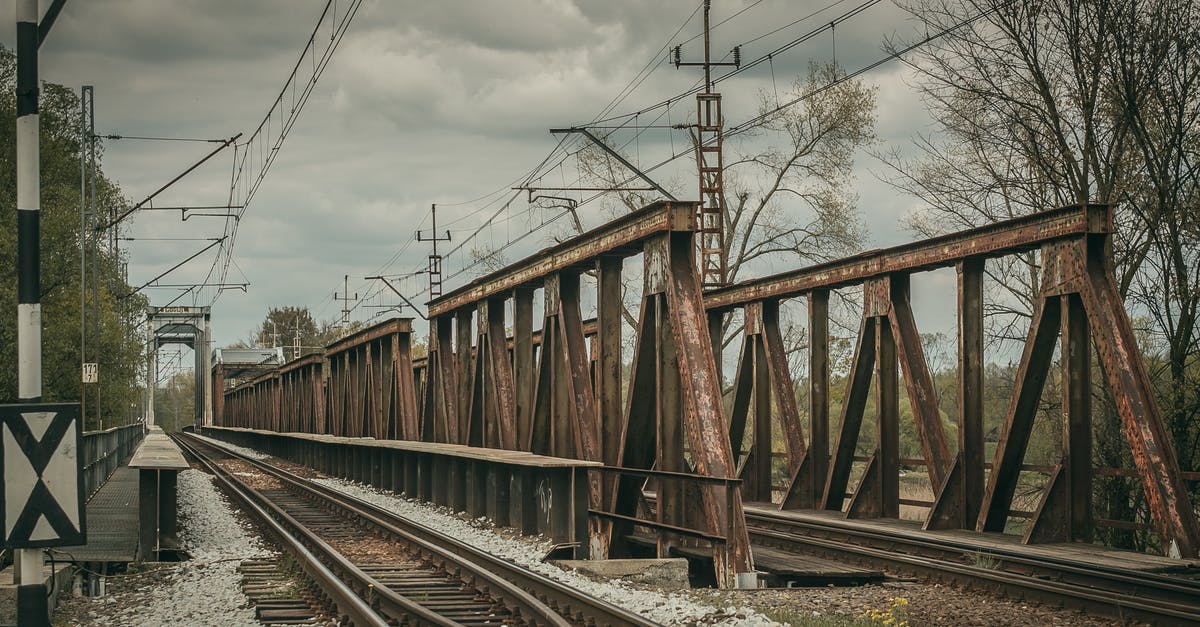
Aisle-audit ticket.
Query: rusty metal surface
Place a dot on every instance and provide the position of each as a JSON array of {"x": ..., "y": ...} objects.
[
  {"x": 858, "y": 386},
  {"x": 1018, "y": 421},
  {"x": 254, "y": 402},
  {"x": 373, "y": 332},
  {"x": 1077, "y": 418},
  {"x": 302, "y": 395},
  {"x": 370, "y": 385},
  {"x": 622, "y": 236},
  {"x": 522, "y": 357},
  {"x": 502, "y": 377},
  {"x": 782, "y": 386},
  {"x": 546, "y": 392},
  {"x": 702, "y": 406},
  {"x": 1002, "y": 238},
  {"x": 1170, "y": 506},
  {"x": 919, "y": 383}
]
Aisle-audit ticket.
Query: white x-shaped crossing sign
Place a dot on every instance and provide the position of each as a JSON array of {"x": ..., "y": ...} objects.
[{"x": 43, "y": 501}]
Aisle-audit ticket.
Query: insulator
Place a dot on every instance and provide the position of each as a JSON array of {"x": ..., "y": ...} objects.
[
  {"x": 677, "y": 55},
  {"x": 737, "y": 56}
]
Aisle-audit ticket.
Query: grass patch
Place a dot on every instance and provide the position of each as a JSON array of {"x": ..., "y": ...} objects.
[{"x": 806, "y": 619}]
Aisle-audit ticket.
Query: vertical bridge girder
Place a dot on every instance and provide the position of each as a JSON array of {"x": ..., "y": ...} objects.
[
  {"x": 557, "y": 390},
  {"x": 370, "y": 387},
  {"x": 1079, "y": 296},
  {"x": 550, "y": 396}
]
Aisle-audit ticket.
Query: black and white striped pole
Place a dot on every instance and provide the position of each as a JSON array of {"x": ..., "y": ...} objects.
[{"x": 32, "y": 608}]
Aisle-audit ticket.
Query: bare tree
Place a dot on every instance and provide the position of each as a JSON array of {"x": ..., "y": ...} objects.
[
  {"x": 788, "y": 182},
  {"x": 1043, "y": 103}
]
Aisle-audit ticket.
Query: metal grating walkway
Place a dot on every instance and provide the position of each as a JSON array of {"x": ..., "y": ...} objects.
[{"x": 112, "y": 521}]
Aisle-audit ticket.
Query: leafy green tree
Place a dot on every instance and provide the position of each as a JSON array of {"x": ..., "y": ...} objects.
[
  {"x": 283, "y": 325},
  {"x": 174, "y": 400},
  {"x": 121, "y": 354}
]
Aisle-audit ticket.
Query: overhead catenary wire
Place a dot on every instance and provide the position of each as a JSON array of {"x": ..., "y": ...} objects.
[
  {"x": 247, "y": 178},
  {"x": 753, "y": 121},
  {"x": 656, "y": 60},
  {"x": 624, "y": 122},
  {"x": 849, "y": 14}
]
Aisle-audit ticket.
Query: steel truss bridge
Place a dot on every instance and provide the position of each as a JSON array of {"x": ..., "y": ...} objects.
[{"x": 557, "y": 390}]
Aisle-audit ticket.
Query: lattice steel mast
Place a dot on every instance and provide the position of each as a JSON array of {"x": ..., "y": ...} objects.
[{"x": 708, "y": 139}]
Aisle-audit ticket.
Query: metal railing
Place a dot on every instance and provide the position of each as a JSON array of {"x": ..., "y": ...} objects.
[
  {"x": 728, "y": 485},
  {"x": 104, "y": 451}
]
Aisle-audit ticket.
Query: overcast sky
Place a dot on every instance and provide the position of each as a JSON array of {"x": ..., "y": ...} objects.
[{"x": 423, "y": 102}]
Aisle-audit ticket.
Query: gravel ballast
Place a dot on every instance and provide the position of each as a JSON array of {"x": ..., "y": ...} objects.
[
  {"x": 924, "y": 603},
  {"x": 668, "y": 609},
  {"x": 204, "y": 590},
  {"x": 665, "y": 608}
]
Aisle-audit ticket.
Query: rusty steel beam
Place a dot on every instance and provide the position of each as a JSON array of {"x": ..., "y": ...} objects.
[
  {"x": 1077, "y": 417},
  {"x": 302, "y": 394},
  {"x": 609, "y": 408},
  {"x": 639, "y": 432},
  {"x": 959, "y": 498},
  {"x": 606, "y": 355},
  {"x": 703, "y": 417},
  {"x": 782, "y": 385},
  {"x": 1130, "y": 386},
  {"x": 370, "y": 373},
  {"x": 501, "y": 376},
  {"x": 464, "y": 370},
  {"x": 622, "y": 236},
  {"x": 1018, "y": 420},
  {"x": 443, "y": 381},
  {"x": 919, "y": 383},
  {"x": 1001, "y": 238},
  {"x": 818, "y": 394},
  {"x": 371, "y": 333},
  {"x": 764, "y": 380},
  {"x": 523, "y": 364},
  {"x": 858, "y": 386}
]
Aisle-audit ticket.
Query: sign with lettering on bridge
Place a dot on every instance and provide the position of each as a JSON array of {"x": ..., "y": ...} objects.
[{"x": 42, "y": 503}]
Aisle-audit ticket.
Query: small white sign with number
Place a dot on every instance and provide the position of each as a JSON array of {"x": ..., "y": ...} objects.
[{"x": 91, "y": 372}]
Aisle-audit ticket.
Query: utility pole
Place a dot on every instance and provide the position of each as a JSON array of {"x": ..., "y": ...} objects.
[
  {"x": 435, "y": 260},
  {"x": 708, "y": 138},
  {"x": 275, "y": 332},
  {"x": 345, "y": 298},
  {"x": 28, "y": 563},
  {"x": 89, "y": 247},
  {"x": 85, "y": 94}
]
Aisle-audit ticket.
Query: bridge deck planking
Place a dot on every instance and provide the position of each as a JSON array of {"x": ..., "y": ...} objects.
[{"x": 984, "y": 542}]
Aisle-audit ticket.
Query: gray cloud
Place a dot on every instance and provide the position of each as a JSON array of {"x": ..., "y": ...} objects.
[{"x": 424, "y": 102}]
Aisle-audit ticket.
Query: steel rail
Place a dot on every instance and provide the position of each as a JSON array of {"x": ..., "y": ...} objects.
[
  {"x": 509, "y": 582},
  {"x": 347, "y": 601},
  {"x": 1037, "y": 577},
  {"x": 577, "y": 606},
  {"x": 391, "y": 604},
  {"x": 1167, "y": 587},
  {"x": 571, "y": 603}
]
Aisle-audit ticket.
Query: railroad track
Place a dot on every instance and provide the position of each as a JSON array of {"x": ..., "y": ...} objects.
[
  {"x": 378, "y": 568},
  {"x": 1107, "y": 590}
]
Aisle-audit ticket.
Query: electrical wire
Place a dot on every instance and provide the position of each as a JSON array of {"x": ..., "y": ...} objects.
[
  {"x": 625, "y": 120},
  {"x": 246, "y": 180},
  {"x": 757, "y": 61},
  {"x": 754, "y": 121}
]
